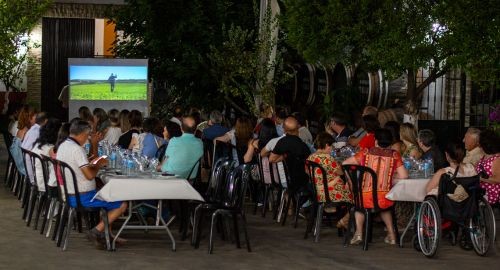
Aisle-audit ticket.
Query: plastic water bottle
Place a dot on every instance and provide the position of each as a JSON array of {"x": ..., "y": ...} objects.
[
  {"x": 426, "y": 167},
  {"x": 124, "y": 163},
  {"x": 112, "y": 159},
  {"x": 130, "y": 166},
  {"x": 87, "y": 148},
  {"x": 100, "y": 149},
  {"x": 431, "y": 166}
]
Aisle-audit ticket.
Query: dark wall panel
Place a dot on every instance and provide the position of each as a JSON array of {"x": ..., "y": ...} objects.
[{"x": 62, "y": 39}]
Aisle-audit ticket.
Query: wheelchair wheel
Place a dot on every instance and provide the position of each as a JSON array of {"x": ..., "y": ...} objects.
[
  {"x": 482, "y": 229},
  {"x": 429, "y": 227}
]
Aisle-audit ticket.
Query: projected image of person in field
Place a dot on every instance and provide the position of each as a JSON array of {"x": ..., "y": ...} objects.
[
  {"x": 102, "y": 82},
  {"x": 112, "y": 80}
]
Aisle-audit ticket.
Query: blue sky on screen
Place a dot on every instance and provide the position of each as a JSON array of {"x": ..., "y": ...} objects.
[{"x": 103, "y": 72}]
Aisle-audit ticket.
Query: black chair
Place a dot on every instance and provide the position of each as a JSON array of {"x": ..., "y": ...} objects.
[
  {"x": 41, "y": 198},
  {"x": 317, "y": 214},
  {"x": 213, "y": 197},
  {"x": 64, "y": 169},
  {"x": 233, "y": 204},
  {"x": 160, "y": 153},
  {"x": 186, "y": 207},
  {"x": 298, "y": 196},
  {"x": 356, "y": 174},
  {"x": 11, "y": 167},
  {"x": 30, "y": 190},
  {"x": 268, "y": 187},
  {"x": 53, "y": 198}
]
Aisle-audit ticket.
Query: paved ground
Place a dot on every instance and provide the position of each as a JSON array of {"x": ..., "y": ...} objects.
[{"x": 273, "y": 247}]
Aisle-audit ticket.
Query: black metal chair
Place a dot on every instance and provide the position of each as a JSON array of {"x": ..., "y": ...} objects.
[
  {"x": 11, "y": 167},
  {"x": 356, "y": 174},
  {"x": 268, "y": 185},
  {"x": 42, "y": 193},
  {"x": 64, "y": 169},
  {"x": 160, "y": 153},
  {"x": 30, "y": 190},
  {"x": 233, "y": 204},
  {"x": 186, "y": 207},
  {"x": 54, "y": 200},
  {"x": 213, "y": 197},
  {"x": 314, "y": 169}
]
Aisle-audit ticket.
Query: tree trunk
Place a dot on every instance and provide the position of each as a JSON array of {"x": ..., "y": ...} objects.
[{"x": 411, "y": 93}]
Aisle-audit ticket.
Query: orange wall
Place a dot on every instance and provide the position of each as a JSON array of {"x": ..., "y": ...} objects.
[{"x": 109, "y": 37}]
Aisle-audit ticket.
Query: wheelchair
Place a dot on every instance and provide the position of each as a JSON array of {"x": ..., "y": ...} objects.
[{"x": 474, "y": 215}]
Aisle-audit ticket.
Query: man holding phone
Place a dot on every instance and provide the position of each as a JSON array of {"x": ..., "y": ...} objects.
[{"x": 72, "y": 152}]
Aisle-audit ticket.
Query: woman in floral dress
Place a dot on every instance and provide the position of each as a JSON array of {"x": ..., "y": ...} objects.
[{"x": 489, "y": 166}]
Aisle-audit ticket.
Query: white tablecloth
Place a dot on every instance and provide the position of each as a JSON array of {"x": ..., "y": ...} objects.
[
  {"x": 131, "y": 189},
  {"x": 408, "y": 190}
]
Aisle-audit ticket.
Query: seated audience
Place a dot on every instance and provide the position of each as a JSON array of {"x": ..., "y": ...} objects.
[
  {"x": 408, "y": 134},
  {"x": 149, "y": 142},
  {"x": 370, "y": 124},
  {"x": 114, "y": 131},
  {"x": 280, "y": 118},
  {"x": 338, "y": 191},
  {"x": 30, "y": 138},
  {"x": 44, "y": 146},
  {"x": 130, "y": 138},
  {"x": 85, "y": 114},
  {"x": 426, "y": 142},
  {"x": 388, "y": 165},
  {"x": 474, "y": 152},
  {"x": 214, "y": 129},
  {"x": 177, "y": 117},
  {"x": 72, "y": 152},
  {"x": 123, "y": 120},
  {"x": 397, "y": 143},
  {"x": 454, "y": 153},
  {"x": 239, "y": 138},
  {"x": 183, "y": 152},
  {"x": 489, "y": 166},
  {"x": 338, "y": 128},
  {"x": 294, "y": 152},
  {"x": 360, "y": 133},
  {"x": 266, "y": 133},
  {"x": 304, "y": 133}
]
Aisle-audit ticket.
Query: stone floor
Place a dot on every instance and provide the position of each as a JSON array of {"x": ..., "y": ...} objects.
[{"x": 273, "y": 246}]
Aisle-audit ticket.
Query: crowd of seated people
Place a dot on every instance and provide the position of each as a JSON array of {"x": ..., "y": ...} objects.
[{"x": 279, "y": 138}]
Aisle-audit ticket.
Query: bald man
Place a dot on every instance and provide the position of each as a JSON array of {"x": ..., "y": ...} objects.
[
  {"x": 294, "y": 152},
  {"x": 183, "y": 152}
]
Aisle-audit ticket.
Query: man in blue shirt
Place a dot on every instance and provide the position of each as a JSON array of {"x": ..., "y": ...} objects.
[
  {"x": 215, "y": 128},
  {"x": 183, "y": 152}
]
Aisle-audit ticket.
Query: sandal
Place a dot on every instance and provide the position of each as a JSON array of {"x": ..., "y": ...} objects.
[
  {"x": 389, "y": 241},
  {"x": 356, "y": 239}
]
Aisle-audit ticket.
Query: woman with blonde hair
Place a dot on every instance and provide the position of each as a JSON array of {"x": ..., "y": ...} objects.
[
  {"x": 408, "y": 134},
  {"x": 239, "y": 137}
]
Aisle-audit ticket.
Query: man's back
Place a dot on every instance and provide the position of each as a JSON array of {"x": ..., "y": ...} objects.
[
  {"x": 214, "y": 131},
  {"x": 296, "y": 152},
  {"x": 182, "y": 153}
]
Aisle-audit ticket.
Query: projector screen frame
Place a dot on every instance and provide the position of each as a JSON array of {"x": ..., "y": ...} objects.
[{"x": 141, "y": 105}]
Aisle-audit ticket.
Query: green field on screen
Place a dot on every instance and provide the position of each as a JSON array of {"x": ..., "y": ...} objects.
[{"x": 102, "y": 91}]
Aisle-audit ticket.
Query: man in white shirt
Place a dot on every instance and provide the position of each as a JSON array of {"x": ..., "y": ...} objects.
[
  {"x": 474, "y": 152},
  {"x": 30, "y": 138},
  {"x": 72, "y": 152}
]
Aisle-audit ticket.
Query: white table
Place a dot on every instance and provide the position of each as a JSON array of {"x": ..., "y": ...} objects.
[
  {"x": 408, "y": 190},
  {"x": 144, "y": 187}
]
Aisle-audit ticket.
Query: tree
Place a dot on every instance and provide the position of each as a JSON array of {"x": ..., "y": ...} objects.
[
  {"x": 177, "y": 36},
  {"x": 399, "y": 37},
  {"x": 249, "y": 63},
  {"x": 17, "y": 19}
]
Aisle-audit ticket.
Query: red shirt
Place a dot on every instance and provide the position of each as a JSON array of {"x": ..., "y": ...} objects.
[{"x": 368, "y": 141}]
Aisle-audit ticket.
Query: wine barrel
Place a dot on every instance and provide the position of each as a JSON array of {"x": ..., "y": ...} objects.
[
  {"x": 323, "y": 84},
  {"x": 305, "y": 84},
  {"x": 371, "y": 86}
]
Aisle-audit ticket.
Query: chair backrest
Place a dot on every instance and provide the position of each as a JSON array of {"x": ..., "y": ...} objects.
[
  {"x": 7, "y": 137},
  {"x": 160, "y": 153},
  {"x": 222, "y": 150},
  {"x": 28, "y": 166},
  {"x": 194, "y": 174},
  {"x": 217, "y": 181},
  {"x": 57, "y": 172},
  {"x": 45, "y": 173},
  {"x": 359, "y": 176},
  {"x": 236, "y": 186},
  {"x": 314, "y": 169},
  {"x": 63, "y": 168}
]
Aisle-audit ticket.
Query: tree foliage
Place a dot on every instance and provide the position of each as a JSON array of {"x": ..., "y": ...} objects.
[
  {"x": 399, "y": 36},
  {"x": 177, "y": 36},
  {"x": 17, "y": 19},
  {"x": 249, "y": 62}
]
